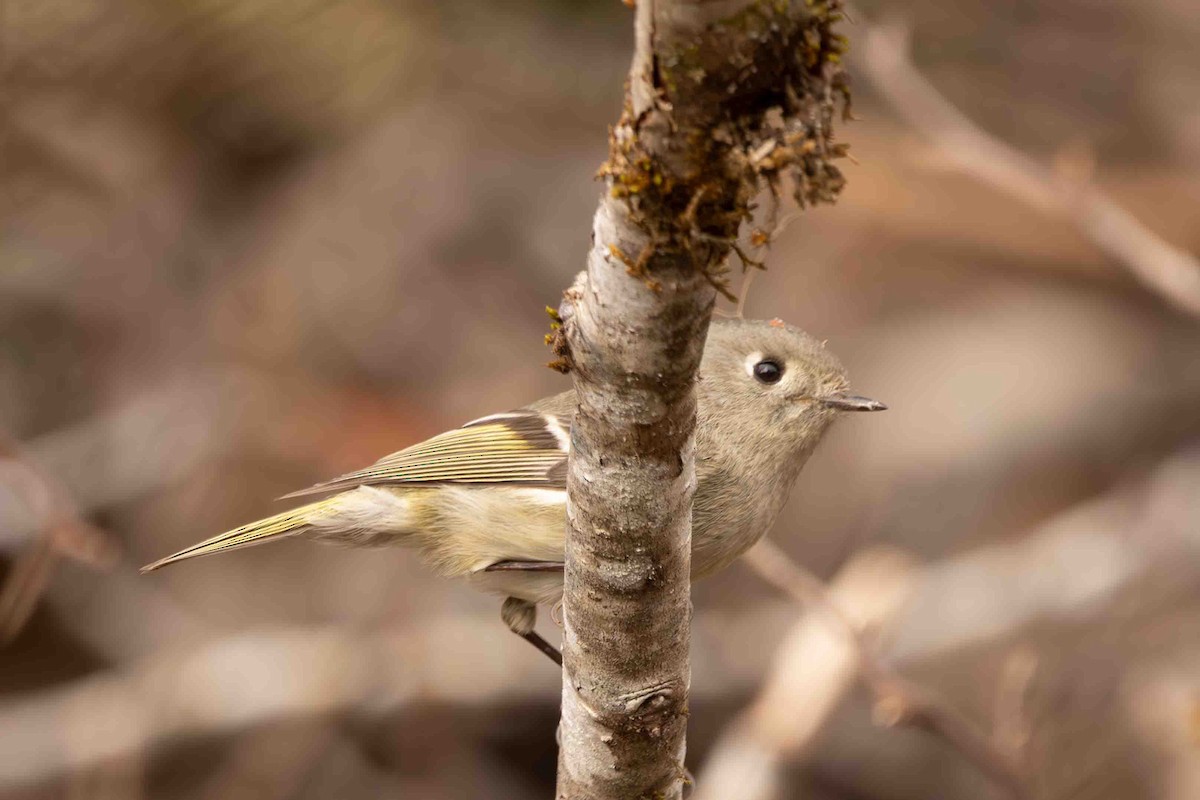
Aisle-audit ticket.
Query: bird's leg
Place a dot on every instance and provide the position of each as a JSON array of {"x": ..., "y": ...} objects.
[{"x": 520, "y": 615}]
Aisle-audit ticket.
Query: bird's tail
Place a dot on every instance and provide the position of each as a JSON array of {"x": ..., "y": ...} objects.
[{"x": 289, "y": 523}]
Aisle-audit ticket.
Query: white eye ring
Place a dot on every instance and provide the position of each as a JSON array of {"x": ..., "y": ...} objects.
[{"x": 751, "y": 361}]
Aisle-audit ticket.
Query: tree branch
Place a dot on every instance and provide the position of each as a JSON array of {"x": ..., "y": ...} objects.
[
  {"x": 812, "y": 672},
  {"x": 815, "y": 671},
  {"x": 61, "y": 533},
  {"x": 1164, "y": 269},
  {"x": 679, "y": 183}
]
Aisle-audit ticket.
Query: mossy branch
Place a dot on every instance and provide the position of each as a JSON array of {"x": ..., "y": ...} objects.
[{"x": 723, "y": 99}]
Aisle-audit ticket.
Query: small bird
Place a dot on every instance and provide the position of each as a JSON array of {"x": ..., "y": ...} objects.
[{"x": 487, "y": 501}]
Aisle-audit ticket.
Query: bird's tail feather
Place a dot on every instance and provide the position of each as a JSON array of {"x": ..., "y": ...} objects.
[{"x": 289, "y": 523}]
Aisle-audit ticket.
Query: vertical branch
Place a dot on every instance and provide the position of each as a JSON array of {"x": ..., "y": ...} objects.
[{"x": 690, "y": 152}]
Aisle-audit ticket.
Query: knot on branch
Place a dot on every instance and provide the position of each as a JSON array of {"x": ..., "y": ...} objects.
[
  {"x": 650, "y": 699},
  {"x": 645, "y": 710}
]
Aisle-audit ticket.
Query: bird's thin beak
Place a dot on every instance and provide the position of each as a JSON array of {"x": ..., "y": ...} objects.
[{"x": 852, "y": 402}]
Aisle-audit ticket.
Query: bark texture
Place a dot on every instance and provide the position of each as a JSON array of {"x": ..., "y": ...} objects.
[{"x": 723, "y": 98}]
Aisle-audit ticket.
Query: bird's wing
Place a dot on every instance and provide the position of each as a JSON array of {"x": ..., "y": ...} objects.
[{"x": 525, "y": 447}]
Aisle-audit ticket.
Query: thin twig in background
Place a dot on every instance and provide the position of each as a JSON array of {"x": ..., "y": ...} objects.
[
  {"x": 66, "y": 472},
  {"x": 1011, "y": 728},
  {"x": 1167, "y": 270},
  {"x": 813, "y": 671},
  {"x": 27, "y": 579},
  {"x": 898, "y": 701},
  {"x": 61, "y": 534}
]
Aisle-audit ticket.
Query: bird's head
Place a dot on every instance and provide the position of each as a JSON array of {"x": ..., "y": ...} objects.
[{"x": 770, "y": 385}]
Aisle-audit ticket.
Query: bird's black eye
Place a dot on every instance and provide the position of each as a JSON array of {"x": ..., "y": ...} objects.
[{"x": 768, "y": 371}]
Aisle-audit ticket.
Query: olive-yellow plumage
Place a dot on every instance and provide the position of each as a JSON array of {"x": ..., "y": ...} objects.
[{"x": 488, "y": 500}]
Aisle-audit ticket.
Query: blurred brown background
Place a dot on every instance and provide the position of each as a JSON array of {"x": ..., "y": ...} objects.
[{"x": 249, "y": 245}]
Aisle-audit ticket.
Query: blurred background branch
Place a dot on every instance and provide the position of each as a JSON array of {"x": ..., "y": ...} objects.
[
  {"x": 875, "y": 585},
  {"x": 1068, "y": 191},
  {"x": 812, "y": 671},
  {"x": 60, "y": 533}
]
